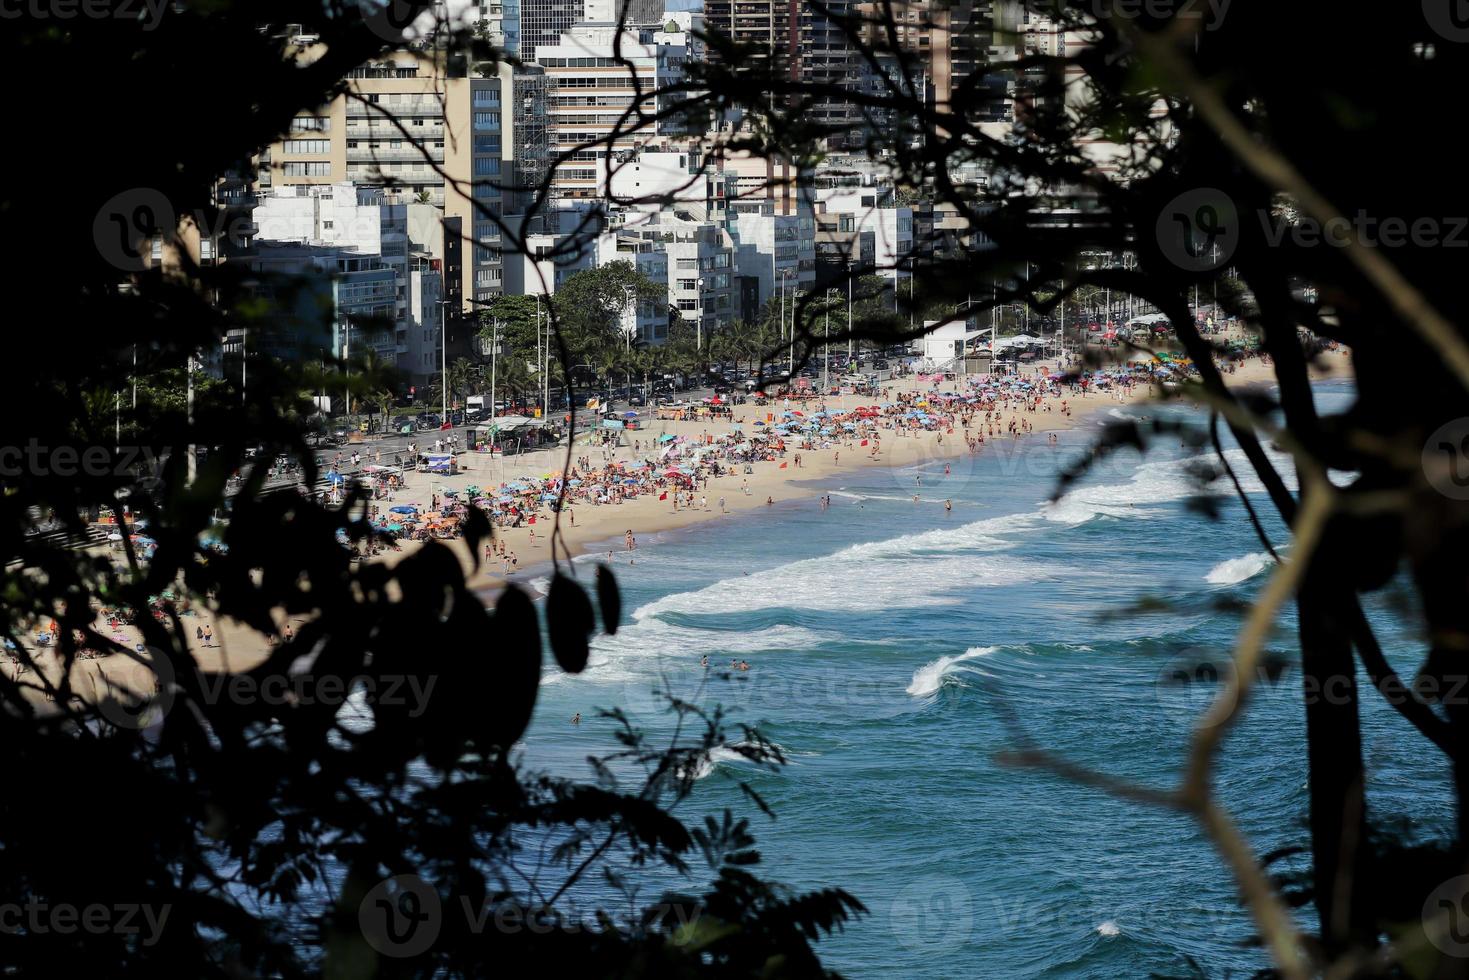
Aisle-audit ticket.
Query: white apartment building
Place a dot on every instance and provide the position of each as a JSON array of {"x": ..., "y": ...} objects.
[
  {"x": 778, "y": 250},
  {"x": 367, "y": 229},
  {"x": 865, "y": 210},
  {"x": 597, "y": 80}
]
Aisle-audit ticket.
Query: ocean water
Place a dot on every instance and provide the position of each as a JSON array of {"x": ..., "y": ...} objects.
[{"x": 897, "y": 647}]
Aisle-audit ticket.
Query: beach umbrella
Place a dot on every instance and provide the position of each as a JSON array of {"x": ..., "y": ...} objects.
[
  {"x": 114, "y": 536},
  {"x": 629, "y": 415},
  {"x": 402, "y": 509},
  {"x": 395, "y": 527},
  {"x": 666, "y": 437},
  {"x": 574, "y": 483}
]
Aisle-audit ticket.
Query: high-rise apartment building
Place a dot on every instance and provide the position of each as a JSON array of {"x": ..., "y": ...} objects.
[
  {"x": 542, "y": 22},
  {"x": 809, "y": 44},
  {"x": 597, "y": 82},
  {"x": 953, "y": 41},
  {"x": 408, "y": 124}
]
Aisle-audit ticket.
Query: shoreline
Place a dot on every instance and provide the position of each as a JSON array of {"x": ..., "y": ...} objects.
[{"x": 239, "y": 648}]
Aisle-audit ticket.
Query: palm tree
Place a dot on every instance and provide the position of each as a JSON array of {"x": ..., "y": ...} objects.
[{"x": 383, "y": 399}]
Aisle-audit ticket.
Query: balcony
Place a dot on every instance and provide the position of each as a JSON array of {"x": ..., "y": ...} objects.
[
  {"x": 401, "y": 155},
  {"x": 383, "y": 110},
  {"x": 383, "y": 129}
]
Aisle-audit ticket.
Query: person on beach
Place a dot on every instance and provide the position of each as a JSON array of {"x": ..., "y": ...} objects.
[
  {"x": 769, "y": 501},
  {"x": 948, "y": 505},
  {"x": 208, "y": 635},
  {"x": 576, "y": 718},
  {"x": 721, "y": 505},
  {"x": 628, "y": 539}
]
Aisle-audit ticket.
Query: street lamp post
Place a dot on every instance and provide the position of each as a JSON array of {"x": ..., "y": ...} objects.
[
  {"x": 494, "y": 363},
  {"x": 699, "y": 322},
  {"x": 826, "y": 348},
  {"x": 444, "y": 357},
  {"x": 849, "y": 314},
  {"x": 785, "y": 275}
]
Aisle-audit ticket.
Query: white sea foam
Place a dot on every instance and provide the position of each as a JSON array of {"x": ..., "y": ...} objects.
[
  {"x": 723, "y": 755},
  {"x": 1109, "y": 928},
  {"x": 931, "y": 677},
  {"x": 1234, "y": 570}
]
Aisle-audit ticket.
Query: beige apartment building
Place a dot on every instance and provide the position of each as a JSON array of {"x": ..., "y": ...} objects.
[{"x": 446, "y": 140}]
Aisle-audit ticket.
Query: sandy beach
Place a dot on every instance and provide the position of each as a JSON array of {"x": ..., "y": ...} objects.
[{"x": 602, "y": 528}]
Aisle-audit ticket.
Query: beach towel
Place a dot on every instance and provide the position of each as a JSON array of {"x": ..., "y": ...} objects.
[
  {"x": 663, "y": 495},
  {"x": 782, "y": 466},
  {"x": 864, "y": 442}
]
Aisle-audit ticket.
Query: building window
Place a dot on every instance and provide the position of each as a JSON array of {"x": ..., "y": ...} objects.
[{"x": 308, "y": 146}]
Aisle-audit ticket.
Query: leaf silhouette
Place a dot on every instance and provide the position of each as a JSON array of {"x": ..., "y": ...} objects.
[
  {"x": 569, "y": 621},
  {"x": 609, "y": 598}
]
